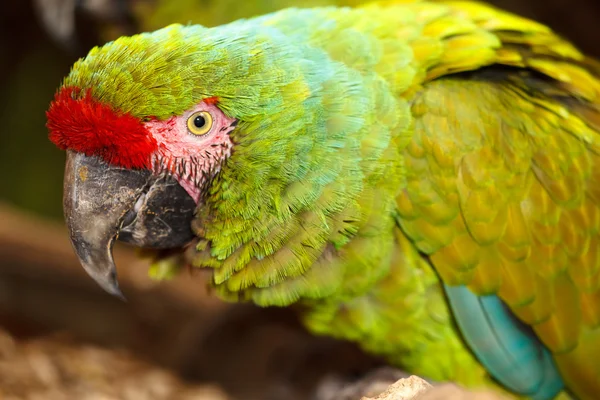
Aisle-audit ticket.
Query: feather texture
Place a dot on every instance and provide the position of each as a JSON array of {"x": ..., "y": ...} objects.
[
  {"x": 511, "y": 353},
  {"x": 383, "y": 152}
]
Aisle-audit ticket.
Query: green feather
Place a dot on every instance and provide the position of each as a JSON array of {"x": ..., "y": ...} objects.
[{"x": 355, "y": 184}]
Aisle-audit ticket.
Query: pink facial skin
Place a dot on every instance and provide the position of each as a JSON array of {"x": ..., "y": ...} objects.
[{"x": 192, "y": 159}]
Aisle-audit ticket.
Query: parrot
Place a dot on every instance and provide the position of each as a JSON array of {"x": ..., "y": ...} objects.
[{"x": 418, "y": 177}]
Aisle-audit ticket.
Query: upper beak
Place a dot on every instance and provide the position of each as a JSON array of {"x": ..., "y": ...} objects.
[{"x": 103, "y": 202}]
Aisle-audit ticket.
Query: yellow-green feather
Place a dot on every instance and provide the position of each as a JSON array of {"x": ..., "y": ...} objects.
[
  {"x": 508, "y": 202},
  {"x": 380, "y": 149}
]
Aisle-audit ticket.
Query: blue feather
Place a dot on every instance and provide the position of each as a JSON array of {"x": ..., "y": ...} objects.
[{"x": 508, "y": 349}]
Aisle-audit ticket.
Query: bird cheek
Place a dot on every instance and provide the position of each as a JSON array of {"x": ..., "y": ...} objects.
[
  {"x": 190, "y": 187},
  {"x": 184, "y": 168}
]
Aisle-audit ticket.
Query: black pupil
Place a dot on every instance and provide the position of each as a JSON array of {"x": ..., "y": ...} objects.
[{"x": 199, "y": 121}]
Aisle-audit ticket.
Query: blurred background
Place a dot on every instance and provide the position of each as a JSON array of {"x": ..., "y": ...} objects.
[{"x": 61, "y": 337}]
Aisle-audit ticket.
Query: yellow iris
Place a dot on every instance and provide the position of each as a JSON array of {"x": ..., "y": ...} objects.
[{"x": 199, "y": 123}]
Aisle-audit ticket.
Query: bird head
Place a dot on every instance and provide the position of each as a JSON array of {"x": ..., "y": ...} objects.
[
  {"x": 223, "y": 134},
  {"x": 143, "y": 138}
]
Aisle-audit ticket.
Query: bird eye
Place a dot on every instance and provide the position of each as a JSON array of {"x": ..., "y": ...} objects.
[{"x": 199, "y": 123}]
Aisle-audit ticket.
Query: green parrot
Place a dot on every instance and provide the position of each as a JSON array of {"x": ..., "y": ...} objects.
[{"x": 422, "y": 178}]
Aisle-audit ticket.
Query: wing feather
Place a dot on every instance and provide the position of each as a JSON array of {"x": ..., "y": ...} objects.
[{"x": 520, "y": 212}]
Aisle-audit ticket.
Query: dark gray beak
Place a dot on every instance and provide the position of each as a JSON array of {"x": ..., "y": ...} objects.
[{"x": 103, "y": 203}]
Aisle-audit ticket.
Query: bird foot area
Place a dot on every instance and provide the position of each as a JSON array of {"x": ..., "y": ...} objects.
[
  {"x": 57, "y": 368},
  {"x": 62, "y": 338},
  {"x": 388, "y": 383},
  {"x": 415, "y": 388}
]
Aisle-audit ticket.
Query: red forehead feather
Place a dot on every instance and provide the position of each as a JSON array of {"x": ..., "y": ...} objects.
[
  {"x": 211, "y": 100},
  {"x": 83, "y": 124}
]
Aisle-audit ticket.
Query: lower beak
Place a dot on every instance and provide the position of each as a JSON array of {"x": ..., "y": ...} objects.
[{"x": 104, "y": 202}]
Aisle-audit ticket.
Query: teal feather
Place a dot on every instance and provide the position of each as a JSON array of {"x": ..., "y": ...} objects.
[{"x": 508, "y": 349}]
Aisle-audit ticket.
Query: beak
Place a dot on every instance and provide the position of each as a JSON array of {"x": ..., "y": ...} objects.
[{"x": 103, "y": 202}]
